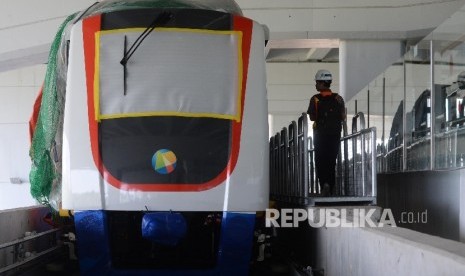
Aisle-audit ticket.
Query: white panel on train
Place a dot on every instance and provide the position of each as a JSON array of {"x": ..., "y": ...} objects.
[
  {"x": 184, "y": 72},
  {"x": 208, "y": 75}
]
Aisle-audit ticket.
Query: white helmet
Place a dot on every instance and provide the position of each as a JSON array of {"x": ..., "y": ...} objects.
[{"x": 323, "y": 75}]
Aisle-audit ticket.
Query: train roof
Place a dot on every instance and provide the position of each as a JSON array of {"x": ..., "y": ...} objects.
[{"x": 227, "y": 6}]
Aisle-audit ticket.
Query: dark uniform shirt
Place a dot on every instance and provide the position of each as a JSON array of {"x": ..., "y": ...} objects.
[{"x": 313, "y": 106}]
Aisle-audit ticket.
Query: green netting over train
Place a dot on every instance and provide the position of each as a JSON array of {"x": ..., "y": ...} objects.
[
  {"x": 44, "y": 174},
  {"x": 45, "y": 152}
]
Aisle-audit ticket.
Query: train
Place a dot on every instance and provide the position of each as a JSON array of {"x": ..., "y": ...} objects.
[
  {"x": 156, "y": 123},
  {"x": 448, "y": 131}
]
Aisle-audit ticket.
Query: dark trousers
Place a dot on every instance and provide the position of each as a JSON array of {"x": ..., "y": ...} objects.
[{"x": 326, "y": 151}]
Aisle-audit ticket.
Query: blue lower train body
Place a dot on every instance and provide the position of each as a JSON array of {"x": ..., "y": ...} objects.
[{"x": 216, "y": 243}]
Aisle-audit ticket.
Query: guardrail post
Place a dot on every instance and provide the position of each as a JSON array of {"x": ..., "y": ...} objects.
[
  {"x": 277, "y": 164},
  {"x": 373, "y": 160},
  {"x": 293, "y": 172},
  {"x": 311, "y": 157},
  {"x": 360, "y": 116},
  {"x": 284, "y": 149},
  {"x": 272, "y": 168},
  {"x": 303, "y": 152},
  {"x": 293, "y": 169}
]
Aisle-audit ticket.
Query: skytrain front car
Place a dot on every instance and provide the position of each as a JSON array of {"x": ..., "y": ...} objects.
[{"x": 164, "y": 134}]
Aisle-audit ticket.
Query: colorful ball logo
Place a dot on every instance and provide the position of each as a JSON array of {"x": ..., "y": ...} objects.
[{"x": 164, "y": 161}]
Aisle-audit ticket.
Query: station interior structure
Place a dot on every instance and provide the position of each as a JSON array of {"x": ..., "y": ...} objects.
[{"x": 387, "y": 59}]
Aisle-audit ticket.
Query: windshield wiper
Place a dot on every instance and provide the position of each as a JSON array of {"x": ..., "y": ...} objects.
[{"x": 162, "y": 19}]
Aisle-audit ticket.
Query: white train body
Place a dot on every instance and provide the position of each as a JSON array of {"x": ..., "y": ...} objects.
[{"x": 198, "y": 95}]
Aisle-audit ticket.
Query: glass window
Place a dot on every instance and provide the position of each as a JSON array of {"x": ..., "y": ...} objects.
[
  {"x": 418, "y": 106},
  {"x": 399, "y": 100},
  {"x": 390, "y": 127},
  {"x": 358, "y": 104},
  {"x": 449, "y": 85},
  {"x": 382, "y": 103},
  {"x": 220, "y": 93}
]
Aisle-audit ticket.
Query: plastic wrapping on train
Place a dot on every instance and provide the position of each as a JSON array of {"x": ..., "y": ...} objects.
[{"x": 164, "y": 126}]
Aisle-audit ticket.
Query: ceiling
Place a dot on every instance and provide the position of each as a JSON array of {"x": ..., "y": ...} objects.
[
  {"x": 299, "y": 30},
  {"x": 303, "y": 50}
]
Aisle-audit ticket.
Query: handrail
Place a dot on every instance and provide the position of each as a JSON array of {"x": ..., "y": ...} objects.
[
  {"x": 303, "y": 147},
  {"x": 360, "y": 189},
  {"x": 293, "y": 167},
  {"x": 284, "y": 154},
  {"x": 448, "y": 141},
  {"x": 293, "y": 155},
  {"x": 21, "y": 240},
  {"x": 354, "y": 121},
  {"x": 25, "y": 261},
  {"x": 19, "y": 260}
]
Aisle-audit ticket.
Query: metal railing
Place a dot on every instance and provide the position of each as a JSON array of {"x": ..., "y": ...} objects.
[
  {"x": 450, "y": 148},
  {"x": 449, "y": 152},
  {"x": 293, "y": 176},
  {"x": 19, "y": 253}
]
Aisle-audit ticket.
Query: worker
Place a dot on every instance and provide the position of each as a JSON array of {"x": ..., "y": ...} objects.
[{"x": 327, "y": 111}]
